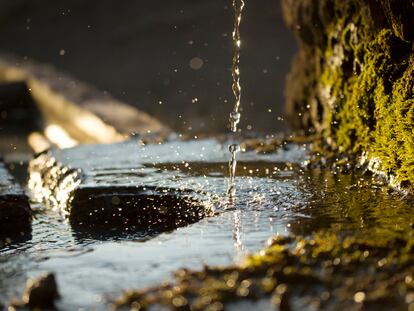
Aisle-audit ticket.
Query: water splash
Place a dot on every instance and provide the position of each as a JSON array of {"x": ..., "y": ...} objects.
[{"x": 238, "y": 6}]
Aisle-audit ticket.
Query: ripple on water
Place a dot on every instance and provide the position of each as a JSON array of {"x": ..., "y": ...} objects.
[{"x": 275, "y": 196}]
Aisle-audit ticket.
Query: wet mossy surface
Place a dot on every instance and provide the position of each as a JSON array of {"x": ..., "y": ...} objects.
[
  {"x": 323, "y": 271},
  {"x": 353, "y": 80},
  {"x": 352, "y": 248}
]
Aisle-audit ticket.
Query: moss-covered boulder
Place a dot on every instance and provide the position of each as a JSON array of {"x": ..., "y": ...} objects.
[{"x": 353, "y": 80}]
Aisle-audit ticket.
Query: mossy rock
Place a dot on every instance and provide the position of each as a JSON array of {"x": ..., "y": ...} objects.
[
  {"x": 352, "y": 81},
  {"x": 325, "y": 271}
]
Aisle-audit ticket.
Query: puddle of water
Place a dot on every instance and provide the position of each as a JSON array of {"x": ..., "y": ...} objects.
[{"x": 275, "y": 196}]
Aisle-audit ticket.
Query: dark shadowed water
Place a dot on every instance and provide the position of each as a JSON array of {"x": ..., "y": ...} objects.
[{"x": 276, "y": 196}]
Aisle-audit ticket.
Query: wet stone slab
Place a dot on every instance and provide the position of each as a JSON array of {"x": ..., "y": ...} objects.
[
  {"x": 135, "y": 186},
  {"x": 85, "y": 113},
  {"x": 15, "y": 213},
  {"x": 116, "y": 186}
]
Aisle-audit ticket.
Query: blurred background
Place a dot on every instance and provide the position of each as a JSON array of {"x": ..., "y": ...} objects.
[{"x": 171, "y": 59}]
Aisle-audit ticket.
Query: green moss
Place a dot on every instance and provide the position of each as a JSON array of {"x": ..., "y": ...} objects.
[
  {"x": 324, "y": 270},
  {"x": 373, "y": 117},
  {"x": 361, "y": 81}
]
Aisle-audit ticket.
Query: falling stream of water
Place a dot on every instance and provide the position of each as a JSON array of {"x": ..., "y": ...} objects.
[{"x": 238, "y": 6}]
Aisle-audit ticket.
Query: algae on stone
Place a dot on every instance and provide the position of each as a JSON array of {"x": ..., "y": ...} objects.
[
  {"x": 323, "y": 271},
  {"x": 353, "y": 80}
]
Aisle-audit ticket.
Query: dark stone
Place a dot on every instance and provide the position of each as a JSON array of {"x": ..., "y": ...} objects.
[
  {"x": 16, "y": 105},
  {"x": 150, "y": 208},
  {"x": 352, "y": 81},
  {"x": 88, "y": 185},
  {"x": 15, "y": 213},
  {"x": 41, "y": 292},
  {"x": 19, "y": 117}
]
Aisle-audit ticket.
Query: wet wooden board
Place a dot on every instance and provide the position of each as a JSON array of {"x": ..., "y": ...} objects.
[
  {"x": 15, "y": 213},
  {"x": 86, "y": 114},
  {"x": 100, "y": 186}
]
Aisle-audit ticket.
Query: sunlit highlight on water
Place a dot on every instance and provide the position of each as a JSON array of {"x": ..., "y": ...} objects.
[{"x": 235, "y": 115}]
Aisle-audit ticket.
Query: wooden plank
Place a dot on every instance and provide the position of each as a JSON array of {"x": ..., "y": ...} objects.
[
  {"x": 86, "y": 114},
  {"x": 15, "y": 213},
  {"x": 100, "y": 186}
]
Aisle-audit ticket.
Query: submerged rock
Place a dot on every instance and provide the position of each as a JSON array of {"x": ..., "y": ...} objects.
[{"x": 352, "y": 81}]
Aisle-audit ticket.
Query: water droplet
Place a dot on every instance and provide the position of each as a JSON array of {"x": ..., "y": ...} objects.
[
  {"x": 196, "y": 63},
  {"x": 233, "y": 148}
]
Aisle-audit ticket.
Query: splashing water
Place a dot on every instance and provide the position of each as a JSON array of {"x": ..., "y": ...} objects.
[{"x": 238, "y": 6}]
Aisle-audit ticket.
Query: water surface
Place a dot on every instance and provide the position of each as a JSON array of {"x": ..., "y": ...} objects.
[{"x": 276, "y": 195}]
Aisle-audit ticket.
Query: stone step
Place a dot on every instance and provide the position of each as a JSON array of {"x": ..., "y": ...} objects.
[
  {"x": 15, "y": 212},
  {"x": 82, "y": 112},
  {"x": 113, "y": 186}
]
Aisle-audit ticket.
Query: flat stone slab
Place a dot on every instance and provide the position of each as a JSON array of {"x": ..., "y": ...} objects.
[
  {"x": 15, "y": 213},
  {"x": 86, "y": 114},
  {"x": 117, "y": 185}
]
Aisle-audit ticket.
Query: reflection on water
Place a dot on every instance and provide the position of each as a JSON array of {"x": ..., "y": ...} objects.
[
  {"x": 276, "y": 196},
  {"x": 237, "y": 231},
  {"x": 348, "y": 202}
]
